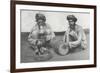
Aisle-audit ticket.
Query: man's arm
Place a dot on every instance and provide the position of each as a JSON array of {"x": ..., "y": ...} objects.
[
  {"x": 50, "y": 33},
  {"x": 32, "y": 38},
  {"x": 79, "y": 39},
  {"x": 66, "y": 37}
]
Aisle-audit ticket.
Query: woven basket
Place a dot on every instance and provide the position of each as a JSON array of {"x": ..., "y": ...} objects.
[{"x": 61, "y": 48}]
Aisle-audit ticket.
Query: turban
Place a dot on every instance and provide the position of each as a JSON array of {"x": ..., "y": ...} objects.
[
  {"x": 71, "y": 17},
  {"x": 40, "y": 16}
]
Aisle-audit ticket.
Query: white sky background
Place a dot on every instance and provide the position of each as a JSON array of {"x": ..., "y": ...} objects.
[{"x": 57, "y": 20}]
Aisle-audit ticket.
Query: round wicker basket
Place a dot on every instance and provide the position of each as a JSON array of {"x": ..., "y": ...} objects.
[{"x": 61, "y": 48}]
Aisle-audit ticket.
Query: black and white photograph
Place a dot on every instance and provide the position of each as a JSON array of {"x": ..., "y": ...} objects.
[
  {"x": 54, "y": 36},
  {"x": 48, "y": 36}
]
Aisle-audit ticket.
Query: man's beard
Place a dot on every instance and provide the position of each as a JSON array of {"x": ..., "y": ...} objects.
[
  {"x": 41, "y": 24},
  {"x": 72, "y": 26}
]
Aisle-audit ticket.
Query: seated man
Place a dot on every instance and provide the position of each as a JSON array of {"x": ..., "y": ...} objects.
[
  {"x": 41, "y": 34},
  {"x": 75, "y": 35}
]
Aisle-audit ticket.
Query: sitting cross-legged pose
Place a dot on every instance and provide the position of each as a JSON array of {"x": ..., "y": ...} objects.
[
  {"x": 41, "y": 34},
  {"x": 75, "y": 35}
]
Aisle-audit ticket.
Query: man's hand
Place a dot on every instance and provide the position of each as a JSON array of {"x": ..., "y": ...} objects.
[
  {"x": 39, "y": 43},
  {"x": 72, "y": 33},
  {"x": 48, "y": 37},
  {"x": 72, "y": 45}
]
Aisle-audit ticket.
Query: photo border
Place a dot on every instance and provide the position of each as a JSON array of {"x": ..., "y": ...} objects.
[{"x": 13, "y": 35}]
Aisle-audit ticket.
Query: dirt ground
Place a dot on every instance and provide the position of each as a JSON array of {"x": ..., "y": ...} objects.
[{"x": 27, "y": 51}]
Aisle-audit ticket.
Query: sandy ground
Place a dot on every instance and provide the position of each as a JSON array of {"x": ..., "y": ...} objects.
[{"x": 27, "y": 51}]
